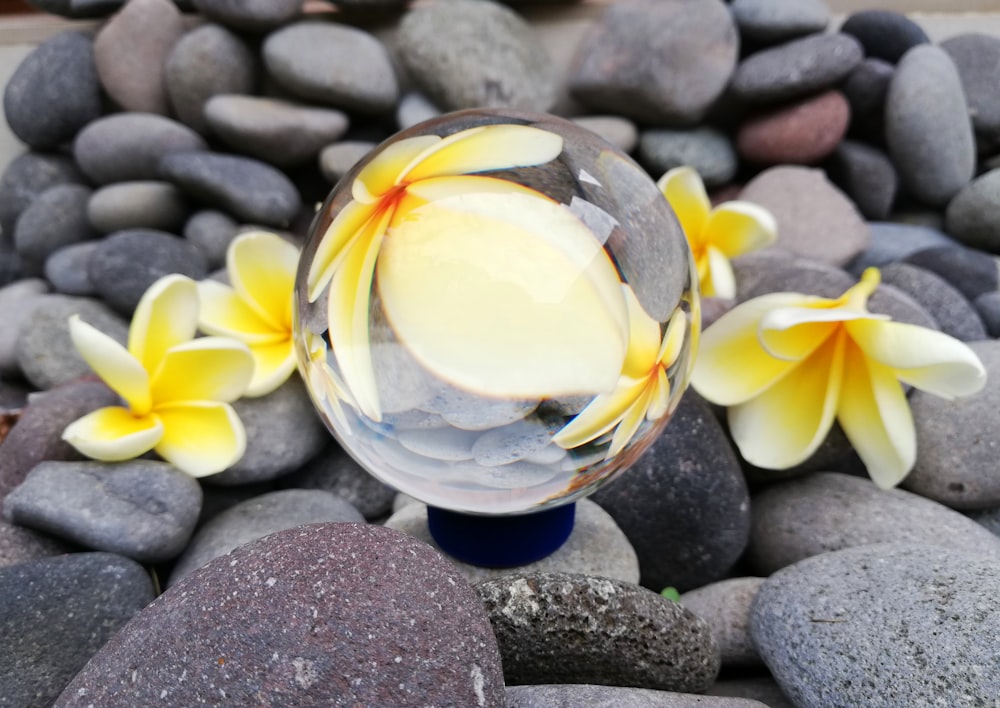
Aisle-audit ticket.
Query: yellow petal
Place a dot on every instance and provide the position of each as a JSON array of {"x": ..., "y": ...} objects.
[
  {"x": 110, "y": 360},
  {"x": 385, "y": 170},
  {"x": 340, "y": 234},
  {"x": 719, "y": 279},
  {"x": 876, "y": 418},
  {"x": 630, "y": 423},
  {"x": 167, "y": 314},
  {"x": 205, "y": 369},
  {"x": 201, "y": 438},
  {"x": 932, "y": 361},
  {"x": 643, "y": 339},
  {"x": 488, "y": 147},
  {"x": 505, "y": 295},
  {"x": 683, "y": 188},
  {"x": 673, "y": 338},
  {"x": 732, "y": 366},
  {"x": 785, "y": 424},
  {"x": 601, "y": 415},
  {"x": 738, "y": 227},
  {"x": 224, "y": 313},
  {"x": 660, "y": 400},
  {"x": 793, "y": 333},
  {"x": 262, "y": 267},
  {"x": 113, "y": 434},
  {"x": 273, "y": 364}
]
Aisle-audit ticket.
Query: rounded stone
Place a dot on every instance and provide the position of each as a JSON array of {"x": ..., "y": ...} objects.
[
  {"x": 332, "y": 64},
  {"x": 78, "y": 9},
  {"x": 250, "y": 15},
  {"x": 770, "y": 21},
  {"x": 892, "y": 242},
  {"x": 707, "y": 150},
  {"x": 211, "y": 232},
  {"x": 574, "y": 628},
  {"x": 988, "y": 307},
  {"x": 64, "y": 65},
  {"x": 971, "y": 272},
  {"x": 207, "y": 61},
  {"x": 977, "y": 57},
  {"x": 866, "y": 88},
  {"x": 17, "y": 301},
  {"x": 620, "y": 132},
  {"x": 19, "y": 545},
  {"x": 56, "y": 218},
  {"x": 725, "y": 606},
  {"x": 683, "y": 504},
  {"x": 347, "y": 613},
  {"x": 759, "y": 689},
  {"x": 465, "y": 55},
  {"x": 927, "y": 126},
  {"x": 414, "y": 107},
  {"x": 258, "y": 517},
  {"x": 68, "y": 269},
  {"x": 279, "y": 132},
  {"x": 582, "y": 694},
  {"x": 657, "y": 61},
  {"x": 867, "y": 176},
  {"x": 126, "y": 263},
  {"x": 28, "y": 175},
  {"x": 883, "y": 625},
  {"x": 147, "y": 204},
  {"x": 954, "y": 313},
  {"x": 129, "y": 146},
  {"x": 802, "y": 133},
  {"x": 885, "y": 34},
  {"x": 827, "y": 511},
  {"x": 336, "y": 160},
  {"x": 973, "y": 216},
  {"x": 143, "y": 509}
]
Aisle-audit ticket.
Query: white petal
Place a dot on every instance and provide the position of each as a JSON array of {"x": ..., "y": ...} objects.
[{"x": 113, "y": 363}]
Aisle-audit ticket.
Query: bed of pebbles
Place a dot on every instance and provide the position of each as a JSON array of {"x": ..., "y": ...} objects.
[{"x": 156, "y": 132}]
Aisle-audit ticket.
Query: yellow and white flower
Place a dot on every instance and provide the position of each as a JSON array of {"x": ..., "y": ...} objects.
[
  {"x": 715, "y": 235},
  {"x": 788, "y": 365},
  {"x": 176, "y": 389}
]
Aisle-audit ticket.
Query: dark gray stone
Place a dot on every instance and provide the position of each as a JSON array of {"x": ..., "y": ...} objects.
[
  {"x": 972, "y": 272},
  {"x": 250, "y": 15},
  {"x": 126, "y": 263},
  {"x": 954, "y": 314},
  {"x": 63, "y": 66},
  {"x": 769, "y": 21},
  {"x": 356, "y": 614},
  {"x": 248, "y": 189},
  {"x": 569, "y": 695},
  {"x": 571, "y": 628},
  {"x": 17, "y": 301},
  {"x": 883, "y": 625},
  {"x": 128, "y": 146},
  {"x": 973, "y": 216},
  {"x": 884, "y": 34},
  {"x": 259, "y": 517},
  {"x": 78, "y": 9},
  {"x": 762, "y": 689},
  {"x": 725, "y": 606},
  {"x": 988, "y": 307},
  {"x": 893, "y": 242},
  {"x": 707, "y": 150},
  {"x": 67, "y": 269},
  {"x": 211, "y": 232},
  {"x": 977, "y": 58},
  {"x": 137, "y": 205},
  {"x": 56, "y": 613},
  {"x": 142, "y": 509},
  {"x": 465, "y": 55},
  {"x": 19, "y": 545},
  {"x": 332, "y": 64},
  {"x": 987, "y": 518},
  {"x": 684, "y": 504},
  {"x": 657, "y": 61},
  {"x": 56, "y": 218},
  {"x": 28, "y": 175},
  {"x": 867, "y": 176},
  {"x": 866, "y": 88}
]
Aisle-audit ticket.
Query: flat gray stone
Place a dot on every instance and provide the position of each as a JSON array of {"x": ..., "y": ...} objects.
[
  {"x": 709, "y": 151},
  {"x": 885, "y": 34},
  {"x": 147, "y": 204},
  {"x": 954, "y": 314},
  {"x": 971, "y": 272},
  {"x": 211, "y": 232},
  {"x": 28, "y": 175},
  {"x": 771, "y": 21},
  {"x": 725, "y": 606},
  {"x": 892, "y": 242},
  {"x": 67, "y": 269},
  {"x": 867, "y": 176},
  {"x": 250, "y": 15},
  {"x": 56, "y": 218},
  {"x": 19, "y": 545},
  {"x": 976, "y": 57},
  {"x": 569, "y": 694},
  {"x": 620, "y": 132}
]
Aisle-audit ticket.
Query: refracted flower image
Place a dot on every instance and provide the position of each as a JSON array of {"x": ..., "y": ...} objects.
[
  {"x": 787, "y": 365},
  {"x": 175, "y": 389}
]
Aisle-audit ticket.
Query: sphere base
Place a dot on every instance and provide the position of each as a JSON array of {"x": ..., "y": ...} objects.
[{"x": 501, "y": 541}]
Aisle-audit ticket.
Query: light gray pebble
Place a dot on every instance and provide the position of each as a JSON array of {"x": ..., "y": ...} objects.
[
  {"x": 448, "y": 444},
  {"x": 68, "y": 269},
  {"x": 334, "y": 471},
  {"x": 973, "y": 216},
  {"x": 883, "y": 625},
  {"x": 954, "y": 314},
  {"x": 336, "y": 160},
  {"x": 413, "y": 108},
  {"x": 46, "y": 355},
  {"x": 468, "y": 412},
  {"x": 17, "y": 301},
  {"x": 976, "y": 56},
  {"x": 770, "y": 21},
  {"x": 145, "y": 204},
  {"x": 143, "y": 509},
  {"x": 619, "y": 131},
  {"x": 250, "y": 15},
  {"x": 510, "y": 443},
  {"x": 568, "y": 695},
  {"x": 211, "y": 232},
  {"x": 709, "y": 151},
  {"x": 28, "y": 175},
  {"x": 279, "y": 132},
  {"x": 725, "y": 606},
  {"x": 892, "y": 242},
  {"x": 333, "y": 64},
  {"x": 762, "y": 688},
  {"x": 259, "y": 517},
  {"x": 56, "y": 218}
]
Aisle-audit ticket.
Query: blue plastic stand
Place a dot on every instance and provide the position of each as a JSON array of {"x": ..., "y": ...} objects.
[{"x": 501, "y": 541}]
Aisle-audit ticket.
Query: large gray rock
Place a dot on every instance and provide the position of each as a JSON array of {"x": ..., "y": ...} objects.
[
  {"x": 973, "y": 216},
  {"x": 66, "y": 269},
  {"x": 56, "y": 218},
  {"x": 571, "y": 695},
  {"x": 954, "y": 314},
  {"x": 725, "y": 606},
  {"x": 19, "y": 545},
  {"x": 771, "y": 21},
  {"x": 976, "y": 57},
  {"x": 147, "y": 204},
  {"x": 707, "y": 150},
  {"x": 250, "y": 15},
  {"x": 28, "y": 175}
]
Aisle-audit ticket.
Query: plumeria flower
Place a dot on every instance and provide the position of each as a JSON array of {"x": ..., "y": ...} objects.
[
  {"x": 715, "y": 235},
  {"x": 643, "y": 390},
  {"x": 257, "y": 309},
  {"x": 490, "y": 285},
  {"x": 788, "y": 364},
  {"x": 176, "y": 390}
]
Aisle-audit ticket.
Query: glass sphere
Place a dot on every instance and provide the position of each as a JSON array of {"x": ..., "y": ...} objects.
[{"x": 496, "y": 311}]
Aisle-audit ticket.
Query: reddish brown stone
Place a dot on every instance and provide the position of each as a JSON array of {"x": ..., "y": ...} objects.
[{"x": 801, "y": 133}]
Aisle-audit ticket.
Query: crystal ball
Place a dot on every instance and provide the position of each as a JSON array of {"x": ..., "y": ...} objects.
[{"x": 496, "y": 312}]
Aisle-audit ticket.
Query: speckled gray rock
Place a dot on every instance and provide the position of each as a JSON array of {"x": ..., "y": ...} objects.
[
  {"x": 892, "y": 242},
  {"x": 595, "y": 547},
  {"x": 211, "y": 232},
  {"x": 259, "y": 517},
  {"x": 988, "y": 519},
  {"x": 55, "y": 218},
  {"x": 573, "y": 695},
  {"x": 954, "y": 314},
  {"x": 867, "y": 176},
  {"x": 684, "y": 503},
  {"x": 250, "y": 15},
  {"x": 976, "y": 57},
  {"x": 307, "y": 616},
  {"x": 883, "y": 625},
  {"x": 573, "y": 628},
  {"x": 128, "y": 146},
  {"x": 707, "y": 150},
  {"x": 64, "y": 65},
  {"x": 143, "y": 509},
  {"x": 464, "y": 55},
  {"x": 620, "y": 132},
  {"x": 19, "y": 545},
  {"x": 659, "y": 61},
  {"x": 796, "y": 69},
  {"x": 17, "y": 301},
  {"x": 130, "y": 50},
  {"x": 927, "y": 126},
  {"x": 126, "y": 263},
  {"x": 973, "y": 216},
  {"x": 972, "y": 272},
  {"x": 336, "y": 160},
  {"x": 957, "y": 441},
  {"x": 56, "y": 613},
  {"x": 885, "y": 34},
  {"x": 28, "y": 175},
  {"x": 283, "y": 433},
  {"x": 827, "y": 511},
  {"x": 45, "y": 352},
  {"x": 207, "y": 61},
  {"x": 145, "y": 204},
  {"x": 763, "y": 689},
  {"x": 67, "y": 269},
  {"x": 332, "y": 64},
  {"x": 770, "y": 21},
  {"x": 725, "y": 606},
  {"x": 282, "y": 133},
  {"x": 248, "y": 189},
  {"x": 814, "y": 218}
]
